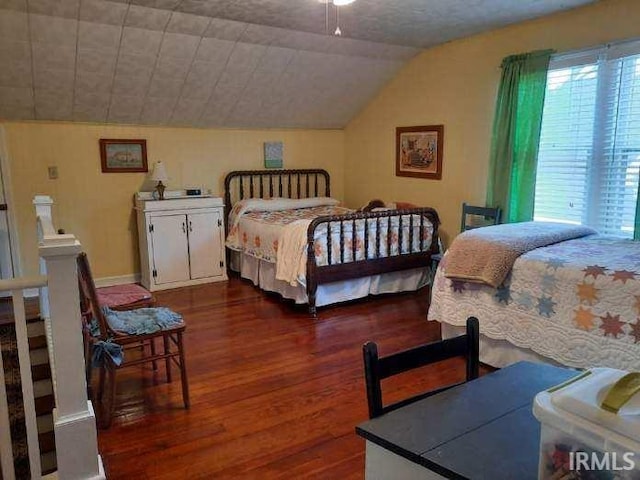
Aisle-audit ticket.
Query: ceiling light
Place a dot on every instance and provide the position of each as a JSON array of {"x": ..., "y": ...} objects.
[{"x": 338, "y": 3}]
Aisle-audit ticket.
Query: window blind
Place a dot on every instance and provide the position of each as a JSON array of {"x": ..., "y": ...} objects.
[{"x": 589, "y": 152}]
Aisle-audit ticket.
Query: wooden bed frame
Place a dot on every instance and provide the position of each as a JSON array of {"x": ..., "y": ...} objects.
[{"x": 311, "y": 183}]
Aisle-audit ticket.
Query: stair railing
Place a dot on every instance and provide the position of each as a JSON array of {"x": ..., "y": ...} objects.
[{"x": 73, "y": 416}]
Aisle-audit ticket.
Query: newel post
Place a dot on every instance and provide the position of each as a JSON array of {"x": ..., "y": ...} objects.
[{"x": 74, "y": 418}]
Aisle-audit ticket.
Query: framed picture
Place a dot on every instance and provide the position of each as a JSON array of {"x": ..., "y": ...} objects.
[
  {"x": 119, "y": 156},
  {"x": 273, "y": 154},
  {"x": 419, "y": 151}
]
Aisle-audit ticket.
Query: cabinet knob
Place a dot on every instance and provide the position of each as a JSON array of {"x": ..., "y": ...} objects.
[
  {"x": 190, "y": 226},
  {"x": 184, "y": 228}
]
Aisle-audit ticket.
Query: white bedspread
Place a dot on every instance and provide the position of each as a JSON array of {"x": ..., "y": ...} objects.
[{"x": 577, "y": 302}]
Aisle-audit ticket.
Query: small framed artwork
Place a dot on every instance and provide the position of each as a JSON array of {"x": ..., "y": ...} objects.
[
  {"x": 118, "y": 156},
  {"x": 273, "y": 154},
  {"x": 419, "y": 151}
]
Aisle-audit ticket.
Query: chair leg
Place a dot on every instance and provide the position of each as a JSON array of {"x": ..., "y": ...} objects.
[
  {"x": 152, "y": 342},
  {"x": 89, "y": 377},
  {"x": 111, "y": 398},
  {"x": 167, "y": 350},
  {"x": 101, "y": 382},
  {"x": 183, "y": 372}
]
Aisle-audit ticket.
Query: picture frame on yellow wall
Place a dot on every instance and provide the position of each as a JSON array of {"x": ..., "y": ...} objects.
[
  {"x": 273, "y": 154},
  {"x": 123, "y": 156},
  {"x": 419, "y": 151}
]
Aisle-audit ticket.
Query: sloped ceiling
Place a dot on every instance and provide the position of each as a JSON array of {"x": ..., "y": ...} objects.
[{"x": 231, "y": 63}]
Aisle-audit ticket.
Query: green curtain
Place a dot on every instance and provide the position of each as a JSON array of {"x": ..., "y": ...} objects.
[{"x": 516, "y": 133}]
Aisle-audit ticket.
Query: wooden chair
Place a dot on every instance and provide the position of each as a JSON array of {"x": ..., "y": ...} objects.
[
  {"x": 378, "y": 368},
  {"x": 491, "y": 216},
  {"x": 91, "y": 309},
  {"x": 125, "y": 297}
]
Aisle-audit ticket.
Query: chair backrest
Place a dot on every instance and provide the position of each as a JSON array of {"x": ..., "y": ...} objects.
[
  {"x": 378, "y": 368},
  {"x": 89, "y": 303},
  {"x": 491, "y": 216}
]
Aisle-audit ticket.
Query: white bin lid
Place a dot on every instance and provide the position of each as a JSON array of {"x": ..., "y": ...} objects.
[{"x": 584, "y": 398}]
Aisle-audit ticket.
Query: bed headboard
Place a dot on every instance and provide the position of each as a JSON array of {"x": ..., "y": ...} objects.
[{"x": 306, "y": 183}]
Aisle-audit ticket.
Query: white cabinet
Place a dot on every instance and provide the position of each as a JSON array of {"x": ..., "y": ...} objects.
[{"x": 181, "y": 242}]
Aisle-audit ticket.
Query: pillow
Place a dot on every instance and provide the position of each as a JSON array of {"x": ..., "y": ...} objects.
[{"x": 275, "y": 204}]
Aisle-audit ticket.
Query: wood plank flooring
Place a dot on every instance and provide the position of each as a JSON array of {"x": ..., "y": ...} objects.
[{"x": 275, "y": 394}]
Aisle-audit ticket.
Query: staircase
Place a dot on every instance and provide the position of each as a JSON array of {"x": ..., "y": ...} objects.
[
  {"x": 42, "y": 383},
  {"x": 43, "y": 393},
  {"x": 47, "y": 424}
]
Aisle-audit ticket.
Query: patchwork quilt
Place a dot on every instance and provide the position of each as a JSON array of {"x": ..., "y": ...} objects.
[
  {"x": 257, "y": 233},
  {"x": 577, "y": 302},
  {"x": 256, "y": 229}
]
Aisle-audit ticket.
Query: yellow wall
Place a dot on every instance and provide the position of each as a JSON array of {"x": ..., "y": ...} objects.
[
  {"x": 455, "y": 84},
  {"x": 97, "y": 207}
]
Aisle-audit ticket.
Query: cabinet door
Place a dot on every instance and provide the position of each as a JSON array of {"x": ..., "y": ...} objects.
[
  {"x": 170, "y": 248},
  {"x": 205, "y": 244}
]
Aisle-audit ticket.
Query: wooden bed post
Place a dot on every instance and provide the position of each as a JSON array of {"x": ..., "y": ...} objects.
[{"x": 312, "y": 284}]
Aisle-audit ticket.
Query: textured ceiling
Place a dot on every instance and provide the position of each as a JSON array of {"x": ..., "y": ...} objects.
[
  {"x": 420, "y": 23},
  {"x": 223, "y": 62}
]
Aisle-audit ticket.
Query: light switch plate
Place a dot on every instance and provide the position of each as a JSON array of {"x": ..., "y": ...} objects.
[{"x": 53, "y": 172}]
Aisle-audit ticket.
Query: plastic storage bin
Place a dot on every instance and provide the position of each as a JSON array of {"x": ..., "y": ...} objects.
[{"x": 582, "y": 436}]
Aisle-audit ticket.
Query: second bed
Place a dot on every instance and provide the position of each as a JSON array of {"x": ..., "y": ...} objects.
[{"x": 287, "y": 237}]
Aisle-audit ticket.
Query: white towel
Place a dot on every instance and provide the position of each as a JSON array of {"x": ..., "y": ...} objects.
[{"x": 291, "y": 261}]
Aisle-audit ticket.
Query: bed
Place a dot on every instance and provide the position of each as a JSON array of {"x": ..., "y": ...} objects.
[
  {"x": 390, "y": 251},
  {"x": 575, "y": 302}
]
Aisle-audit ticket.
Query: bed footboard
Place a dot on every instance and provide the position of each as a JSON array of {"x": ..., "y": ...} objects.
[{"x": 391, "y": 241}]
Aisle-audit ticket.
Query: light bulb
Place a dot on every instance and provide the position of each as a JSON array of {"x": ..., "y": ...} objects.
[{"x": 337, "y": 3}]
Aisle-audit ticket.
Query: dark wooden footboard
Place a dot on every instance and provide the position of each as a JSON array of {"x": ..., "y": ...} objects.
[
  {"x": 309, "y": 183},
  {"x": 338, "y": 269}
]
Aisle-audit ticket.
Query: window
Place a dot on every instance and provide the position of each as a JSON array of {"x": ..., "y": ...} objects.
[{"x": 589, "y": 155}]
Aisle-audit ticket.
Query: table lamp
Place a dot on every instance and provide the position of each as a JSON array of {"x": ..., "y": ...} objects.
[{"x": 159, "y": 175}]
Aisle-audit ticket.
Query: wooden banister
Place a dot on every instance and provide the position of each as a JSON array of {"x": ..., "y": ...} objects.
[{"x": 73, "y": 416}]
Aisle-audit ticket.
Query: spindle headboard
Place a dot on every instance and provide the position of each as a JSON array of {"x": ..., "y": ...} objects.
[{"x": 304, "y": 183}]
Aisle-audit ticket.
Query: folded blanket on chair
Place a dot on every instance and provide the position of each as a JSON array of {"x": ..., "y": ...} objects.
[
  {"x": 486, "y": 255},
  {"x": 142, "y": 321}
]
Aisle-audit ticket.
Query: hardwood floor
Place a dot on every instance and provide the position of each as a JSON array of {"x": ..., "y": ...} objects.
[{"x": 274, "y": 393}]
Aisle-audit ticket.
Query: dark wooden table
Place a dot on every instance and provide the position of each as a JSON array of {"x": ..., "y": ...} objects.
[{"x": 482, "y": 429}]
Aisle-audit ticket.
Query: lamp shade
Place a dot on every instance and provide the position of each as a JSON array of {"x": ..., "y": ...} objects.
[{"x": 159, "y": 173}]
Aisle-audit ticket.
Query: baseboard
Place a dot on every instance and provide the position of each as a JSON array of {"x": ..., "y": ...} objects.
[{"x": 120, "y": 280}]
